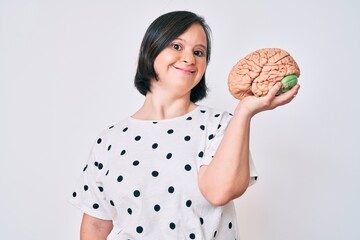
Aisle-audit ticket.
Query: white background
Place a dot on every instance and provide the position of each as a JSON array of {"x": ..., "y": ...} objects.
[{"x": 66, "y": 73}]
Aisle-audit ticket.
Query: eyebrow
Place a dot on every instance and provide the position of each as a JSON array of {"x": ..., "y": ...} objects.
[{"x": 198, "y": 45}]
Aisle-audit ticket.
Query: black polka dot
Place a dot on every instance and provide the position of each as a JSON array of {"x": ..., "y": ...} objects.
[
  {"x": 157, "y": 207},
  {"x": 203, "y": 111},
  {"x": 120, "y": 178},
  {"x": 139, "y": 229},
  {"x": 107, "y": 172},
  {"x": 136, "y": 193},
  {"x": 136, "y": 162},
  {"x": 217, "y": 115},
  {"x": 85, "y": 168},
  {"x": 123, "y": 152},
  {"x": 129, "y": 210},
  {"x": 99, "y": 141},
  {"x": 230, "y": 225},
  {"x": 215, "y": 233},
  {"x": 171, "y": 189},
  {"x": 219, "y": 126},
  {"x": 112, "y": 203},
  {"x": 201, "y": 221},
  {"x": 202, "y": 127},
  {"x": 100, "y": 166},
  {"x": 155, "y": 145},
  {"x": 155, "y": 122},
  {"x": 74, "y": 194},
  {"x": 101, "y": 189},
  {"x": 169, "y": 155},
  {"x": 95, "y": 206},
  {"x": 125, "y": 129},
  {"x": 187, "y": 167},
  {"x": 189, "y": 118},
  {"x": 137, "y": 138},
  {"x": 109, "y": 147},
  {"x": 187, "y": 138},
  {"x": 211, "y": 136},
  {"x": 170, "y": 131},
  {"x": 155, "y": 173},
  {"x": 172, "y": 225},
  {"x": 188, "y": 203},
  {"x": 96, "y": 164},
  {"x": 201, "y": 154},
  {"x": 230, "y": 114},
  {"x": 192, "y": 236},
  {"x": 111, "y": 127},
  {"x": 86, "y": 187}
]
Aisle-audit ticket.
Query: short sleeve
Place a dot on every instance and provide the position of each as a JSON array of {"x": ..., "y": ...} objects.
[
  {"x": 216, "y": 128},
  {"x": 253, "y": 172},
  {"x": 89, "y": 194},
  {"x": 213, "y": 144}
]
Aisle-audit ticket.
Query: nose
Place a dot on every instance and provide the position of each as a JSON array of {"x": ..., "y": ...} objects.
[{"x": 188, "y": 57}]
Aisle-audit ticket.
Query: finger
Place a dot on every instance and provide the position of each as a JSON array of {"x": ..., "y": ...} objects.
[
  {"x": 274, "y": 90},
  {"x": 288, "y": 96},
  {"x": 294, "y": 91}
]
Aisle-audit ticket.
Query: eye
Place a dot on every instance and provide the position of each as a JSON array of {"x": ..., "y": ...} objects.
[
  {"x": 199, "y": 53},
  {"x": 176, "y": 46}
]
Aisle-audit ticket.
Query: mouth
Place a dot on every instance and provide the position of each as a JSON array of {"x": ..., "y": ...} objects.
[{"x": 185, "y": 70}]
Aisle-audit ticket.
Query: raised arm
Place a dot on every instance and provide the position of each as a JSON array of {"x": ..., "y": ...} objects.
[{"x": 227, "y": 176}]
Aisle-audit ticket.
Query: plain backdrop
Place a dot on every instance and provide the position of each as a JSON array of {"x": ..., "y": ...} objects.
[{"x": 66, "y": 73}]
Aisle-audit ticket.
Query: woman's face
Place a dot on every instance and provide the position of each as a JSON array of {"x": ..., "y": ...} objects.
[{"x": 181, "y": 65}]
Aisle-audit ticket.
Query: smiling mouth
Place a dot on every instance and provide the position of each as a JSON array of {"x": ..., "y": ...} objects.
[{"x": 185, "y": 70}]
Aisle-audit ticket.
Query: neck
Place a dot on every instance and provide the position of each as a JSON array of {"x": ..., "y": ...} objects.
[{"x": 158, "y": 108}]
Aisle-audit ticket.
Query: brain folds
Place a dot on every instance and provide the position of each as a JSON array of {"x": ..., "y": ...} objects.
[{"x": 257, "y": 72}]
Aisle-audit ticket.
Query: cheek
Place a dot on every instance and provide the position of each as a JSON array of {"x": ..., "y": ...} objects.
[
  {"x": 202, "y": 66},
  {"x": 169, "y": 59},
  {"x": 163, "y": 61}
]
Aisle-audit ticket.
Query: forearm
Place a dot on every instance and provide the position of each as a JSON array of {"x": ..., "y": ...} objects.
[
  {"x": 227, "y": 176},
  {"x": 94, "y": 229}
]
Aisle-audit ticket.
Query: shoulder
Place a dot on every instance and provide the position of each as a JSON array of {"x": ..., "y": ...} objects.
[
  {"x": 214, "y": 113},
  {"x": 108, "y": 134}
]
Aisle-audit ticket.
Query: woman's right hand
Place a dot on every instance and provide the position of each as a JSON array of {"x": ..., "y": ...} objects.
[{"x": 252, "y": 105}]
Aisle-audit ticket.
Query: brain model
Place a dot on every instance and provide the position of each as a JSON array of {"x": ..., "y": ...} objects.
[{"x": 257, "y": 72}]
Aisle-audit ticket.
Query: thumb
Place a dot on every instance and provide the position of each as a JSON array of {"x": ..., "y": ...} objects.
[{"x": 275, "y": 89}]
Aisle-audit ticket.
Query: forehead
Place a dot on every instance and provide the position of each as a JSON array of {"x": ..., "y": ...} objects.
[{"x": 194, "y": 35}]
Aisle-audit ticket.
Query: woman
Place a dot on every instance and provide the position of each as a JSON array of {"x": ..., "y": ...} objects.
[{"x": 172, "y": 169}]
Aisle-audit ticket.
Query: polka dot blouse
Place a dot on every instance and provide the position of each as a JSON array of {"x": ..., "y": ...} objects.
[{"x": 143, "y": 176}]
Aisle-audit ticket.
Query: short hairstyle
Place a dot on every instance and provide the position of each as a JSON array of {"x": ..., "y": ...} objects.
[{"x": 161, "y": 32}]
